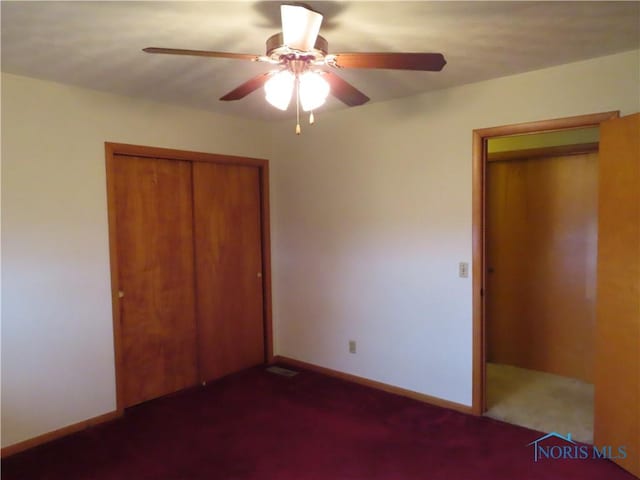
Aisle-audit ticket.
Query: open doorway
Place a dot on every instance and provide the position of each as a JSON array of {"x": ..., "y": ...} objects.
[
  {"x": 584, "y": 131},
  {"x": 541, "y": 255},
  {"x": 616, "y": 361}
]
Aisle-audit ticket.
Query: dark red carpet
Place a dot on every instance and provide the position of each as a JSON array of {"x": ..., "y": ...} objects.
[{"x": 257, "y": 425}]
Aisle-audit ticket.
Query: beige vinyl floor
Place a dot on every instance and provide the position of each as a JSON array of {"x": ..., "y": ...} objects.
[{"x": 541, "y": 401}]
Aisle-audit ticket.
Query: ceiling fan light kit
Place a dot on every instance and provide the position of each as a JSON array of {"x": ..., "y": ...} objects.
[
  {"x": 304, "y": 65},
  {"x": 314, "y": 90},
  {"x": 278, "y": 89}
]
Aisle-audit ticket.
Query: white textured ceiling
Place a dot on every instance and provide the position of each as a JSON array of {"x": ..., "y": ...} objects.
[{"x": 98, "y": 44}]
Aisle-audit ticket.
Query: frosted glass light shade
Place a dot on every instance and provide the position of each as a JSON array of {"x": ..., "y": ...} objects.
[
  {"x": 300, "y": 27},
  {"x": 279, "y": 88},
  {"x": 313, "y": 90}
]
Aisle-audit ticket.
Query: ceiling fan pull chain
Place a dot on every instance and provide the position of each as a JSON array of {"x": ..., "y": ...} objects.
[
  {"x": 312, "y": 119},
  {"x": 297, "y": 105}
]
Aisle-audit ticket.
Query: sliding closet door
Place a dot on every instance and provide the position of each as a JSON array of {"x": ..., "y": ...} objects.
[
  {"x": 154, "y": 229},
  {"x": 227, "y": 219}
]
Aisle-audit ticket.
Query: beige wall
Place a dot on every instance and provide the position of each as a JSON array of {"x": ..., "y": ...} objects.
[
  {"x": 57, "y": 341},
  {"x": 372, "y": 213}
]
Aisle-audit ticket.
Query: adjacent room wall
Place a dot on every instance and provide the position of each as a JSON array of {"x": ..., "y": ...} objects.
[
  {"x": 57, "y": 340},
  {"x": 541, "y": 140},
  {"x": 371, "y": 213},
  {"x": 541, "y": 254}
]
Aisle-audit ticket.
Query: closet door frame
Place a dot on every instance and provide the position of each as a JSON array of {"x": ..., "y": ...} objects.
[{"x": 122, "y": 149}]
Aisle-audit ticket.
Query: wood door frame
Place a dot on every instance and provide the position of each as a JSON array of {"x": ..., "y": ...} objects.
[
  {"x": 479, "y": 168},
  {"x": 113, "y": 149}
]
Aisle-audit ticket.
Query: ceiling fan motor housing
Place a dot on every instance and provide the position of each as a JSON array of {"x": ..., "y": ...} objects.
[{"x": 281, "y": 53}]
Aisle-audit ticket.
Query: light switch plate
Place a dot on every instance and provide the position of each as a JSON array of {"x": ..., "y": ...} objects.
[{"x": 463, "y": 269}]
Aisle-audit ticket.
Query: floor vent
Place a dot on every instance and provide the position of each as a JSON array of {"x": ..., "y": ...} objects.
[{"x": 285, "y": 372}]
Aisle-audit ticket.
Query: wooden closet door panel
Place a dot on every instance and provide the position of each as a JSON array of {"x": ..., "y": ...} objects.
[
  {"x": 227, "y": 214},
  {"x": 154, "y": 221},
  {"x": 617, "y": 377}
]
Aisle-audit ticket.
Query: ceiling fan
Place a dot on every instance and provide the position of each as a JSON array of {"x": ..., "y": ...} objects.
[{"x": 302, "y": 57}]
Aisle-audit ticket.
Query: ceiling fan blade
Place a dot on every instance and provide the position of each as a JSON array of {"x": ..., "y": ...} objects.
[
  {"x": 247, "y": 87},
  {"x": 344, "y": 91},
  {"x": 202, "y": 53},
  {"x": 428, "y": 62},
  {"x": 300, "y": 27}
]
